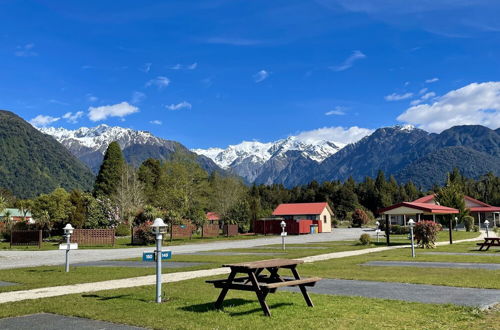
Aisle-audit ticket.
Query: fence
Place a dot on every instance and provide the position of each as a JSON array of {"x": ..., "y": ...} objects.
[
  {"x": 93, "y": 236},
  {"x": 210, "y": 230},
  {"x": 181, "y": 231},
  {"x": 230, "y": 230},
  {"x": 26, "y": 237}
]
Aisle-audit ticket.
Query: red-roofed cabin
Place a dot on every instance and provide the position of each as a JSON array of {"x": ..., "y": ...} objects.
[
  {"x": 479, "y": 210},
  {"x": 213, "y": 218},
  {"x": 318, "y": 212}
]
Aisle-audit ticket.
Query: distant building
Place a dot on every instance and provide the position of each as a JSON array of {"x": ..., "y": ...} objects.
[
  {"x": 213, "y": 218},
  {"x": 16, "y": 215},
  {"x": 320, "y": 212}
]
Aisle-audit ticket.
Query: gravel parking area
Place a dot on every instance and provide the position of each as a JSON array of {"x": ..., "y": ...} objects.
[
  {"x": 470, "y": 265},
  {"x": 45, "y": 321},
  {"x": 432, "y": 294}
]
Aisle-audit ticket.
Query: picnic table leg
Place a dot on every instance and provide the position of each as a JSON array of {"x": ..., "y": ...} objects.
[
  {"x": 274, "y": 274},
  {"x": 488, "y": 246},
  {"x": 260, "y": 294},
  {"x": 222, "y": 295},
  {"x": 302, "y": 288}
]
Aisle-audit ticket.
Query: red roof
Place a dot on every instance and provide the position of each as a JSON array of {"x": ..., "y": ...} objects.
[
  {"x": 425, "y": 207},
  {"x": 213, "y": 216},
  {"x": 485, "y": 209},
  {"x": 425, "y": 199},
  {"x": 300, "y": 209}
]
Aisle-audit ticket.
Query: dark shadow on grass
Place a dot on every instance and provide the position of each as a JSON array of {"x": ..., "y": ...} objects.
[
  {"x": 42, "y": 270},
  {"x": 208, "y": 307},
  {"x": 105, "y": 298}
]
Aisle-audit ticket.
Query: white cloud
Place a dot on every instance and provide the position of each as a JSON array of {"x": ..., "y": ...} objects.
[
  {"x": 423, "y": 90},
  {"x": 428, "y": 81},
  {"x": 156, "y": 122},
  {"x": 146, "y": 67},
  {"x": 260, "y": 76},
  {"x": 335, "y": 134},
  {"x": 339, "y": 111},
  {"x": 42, "y": 120},
  {"x": 137, "y": 97},
  {"x": 73, "y": 118},
  {"x": 179, "y": 106},
  {"x": 184, "y": 66},
  {"x": 116, "y": 110},
  {"x": 26, "y": 50},
  {"x": 233, "y": 41},
  {"x": 474, "y": 104},
  {"x": 398, "y": 97},
  {"x": 92, "y": 98},
  {"x": 349, "y": 62},
  {"x": 427, "y": 96},
  {"x": 159, "y": 82}
]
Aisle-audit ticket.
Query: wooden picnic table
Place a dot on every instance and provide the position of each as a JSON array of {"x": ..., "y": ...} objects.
[
  {"x": 489, "y": 242},
  {"x": 263, "y": 284}
]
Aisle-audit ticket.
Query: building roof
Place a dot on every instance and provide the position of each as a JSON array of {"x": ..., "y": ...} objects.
[
  {"x": 483, "y": 207},
  {"x": 14, "y": 213},
  {"x": 301, "y": 209},
  {"x": 423, "y": 207},
  {"x": 213, "y": 216}
]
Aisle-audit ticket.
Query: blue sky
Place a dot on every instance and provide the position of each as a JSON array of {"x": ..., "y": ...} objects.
[{"x": 213, "y": 73}]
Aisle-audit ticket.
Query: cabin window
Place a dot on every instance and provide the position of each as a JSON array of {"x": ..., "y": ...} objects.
[{"x": 324, "y": 218}]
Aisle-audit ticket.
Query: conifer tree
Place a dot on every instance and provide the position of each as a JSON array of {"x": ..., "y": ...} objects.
[{"x": 111, "y": 171}]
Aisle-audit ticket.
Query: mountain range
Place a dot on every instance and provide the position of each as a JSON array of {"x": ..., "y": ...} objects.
[
  {"x": 32, "y": 163},
  {"x": 89, "y": 145}
]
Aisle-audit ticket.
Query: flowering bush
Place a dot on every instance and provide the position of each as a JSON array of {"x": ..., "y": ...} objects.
[
  {"x": 359, "y": 218},
  {"x": 143, "y": 234},
  {"x": 426, "y": 233}
]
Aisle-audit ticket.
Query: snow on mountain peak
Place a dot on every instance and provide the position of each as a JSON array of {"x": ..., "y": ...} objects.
[{"x": 99, "y": 137}]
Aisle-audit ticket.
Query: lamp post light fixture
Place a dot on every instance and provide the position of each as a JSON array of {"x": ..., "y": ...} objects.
[
  {"x": 377, "y": 231},
  {"x": 456, "y": 223},
  {"x": 68, "y": 230},
  {"x": 283, "y": 234},
  {"x": 412, "y": 224},
  {"x": 159, "y": 228},
  {"x": 487, "y": 223}
]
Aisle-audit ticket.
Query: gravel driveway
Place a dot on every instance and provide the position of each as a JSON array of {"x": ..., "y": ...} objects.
[{"x": 18, "y": 259}]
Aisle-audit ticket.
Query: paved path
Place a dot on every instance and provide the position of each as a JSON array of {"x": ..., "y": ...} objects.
[
  {"x": 45, "y": 321},
  {"x": 463, "y": 254},
  {"x": 13, "y": 296},
  {"x": 422, "y": 293},
  {"x": 469, "y": 265},
  {"x": 18, "y": 259}
]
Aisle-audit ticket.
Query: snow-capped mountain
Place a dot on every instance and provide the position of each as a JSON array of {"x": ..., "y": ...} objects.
[
  {"x": 248, "y": 158},
  {"x": 90, "y": 143}
]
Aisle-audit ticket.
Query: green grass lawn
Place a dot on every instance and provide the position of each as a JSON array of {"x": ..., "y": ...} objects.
[{"x": 189, "y": 305}]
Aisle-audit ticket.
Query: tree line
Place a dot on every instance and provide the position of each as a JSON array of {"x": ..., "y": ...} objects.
[{"x": 179, "y": 189}]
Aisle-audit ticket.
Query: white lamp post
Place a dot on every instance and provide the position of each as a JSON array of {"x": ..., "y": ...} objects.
[
  {"x": 487, "y": 223},
  {"x": 377, "y": 231},
  {"x": 159, "y": 228},
  {"x": 68, "y": 230},
  {"x": 456, "y": 223},
  {"x": 283, "y": 234},
  {"x": 412, "y": 224}
]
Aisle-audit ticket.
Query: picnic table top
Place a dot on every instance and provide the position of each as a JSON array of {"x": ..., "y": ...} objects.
[
  {"x": 270, "y": 263},
  {"x": 492, "y": 238}
]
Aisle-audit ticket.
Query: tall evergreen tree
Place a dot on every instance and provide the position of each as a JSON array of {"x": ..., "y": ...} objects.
[{"x": 111, "y": 171}]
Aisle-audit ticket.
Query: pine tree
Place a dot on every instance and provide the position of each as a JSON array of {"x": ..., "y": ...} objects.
[{"x": 111, "y": 171}]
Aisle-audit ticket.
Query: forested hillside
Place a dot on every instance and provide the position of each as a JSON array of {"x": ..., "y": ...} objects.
[{"x": 32, "y": 163}]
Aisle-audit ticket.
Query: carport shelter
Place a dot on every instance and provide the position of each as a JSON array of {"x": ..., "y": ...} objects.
[{"x": 416, "y": 210}]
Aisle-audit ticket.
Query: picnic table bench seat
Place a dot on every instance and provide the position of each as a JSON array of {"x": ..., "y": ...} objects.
[
  {"x": 262, "y": 284},
  {"x": 489, "y": 242}
]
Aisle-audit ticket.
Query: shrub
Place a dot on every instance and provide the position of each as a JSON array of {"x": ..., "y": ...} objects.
[
  {"x": 475, "y": 228},
  {"x": 426, "y": 233},
  {"x": 122, "y": 230},
  {"x": 399, "y": 230},
  {"x": 335, "y": 223},
  {"x": 5, "y": 235},
  {"x": 144, "y": 234},
  {"x": 359, "y": 218},
  {"x": 468, "y": 222},
  {"x": 365, "y": 239}
]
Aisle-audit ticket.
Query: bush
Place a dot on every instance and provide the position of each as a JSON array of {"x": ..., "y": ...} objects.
[
  {"x": 468, "y": 222},
  {"x": 399, "y": 230},
  {"x": 426, "y": 233},
  {"x": 365, "y": 239},
  {"x": 475, "y": 228},
  {"x": 144, "y": 234},
  {"x": 5, "y": 235},
  {"x": 359, "y": 218},
  {"x": 335, "y": 223},
  {"x": 122, "y": 230}
]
